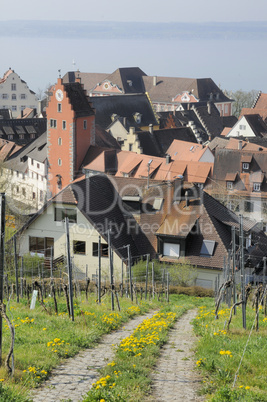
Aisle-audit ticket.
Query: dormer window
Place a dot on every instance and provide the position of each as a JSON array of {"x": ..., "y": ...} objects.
[
  {"x": 137, "y": 117},
  {"x": 229, "y": 185},
  {"x": 256, "y": 187},
  {"x": 245, "y": 166}
]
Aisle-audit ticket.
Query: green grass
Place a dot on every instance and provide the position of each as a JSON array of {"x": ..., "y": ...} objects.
[
  {"x": 127, "y": 378},
  {"x": 42, "y": 340},
  {"x": 219, "y": 353}
]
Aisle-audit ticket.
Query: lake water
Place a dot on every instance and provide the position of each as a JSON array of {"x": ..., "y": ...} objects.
[{"x": 233, "y": 65}]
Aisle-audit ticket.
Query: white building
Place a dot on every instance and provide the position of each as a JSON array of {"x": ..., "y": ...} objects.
[
  {"x": 15, "y": 94},
  {"x": 24, "y": 177}
]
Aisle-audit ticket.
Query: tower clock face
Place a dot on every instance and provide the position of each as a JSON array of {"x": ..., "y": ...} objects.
[{"x": 59, "y": 95}]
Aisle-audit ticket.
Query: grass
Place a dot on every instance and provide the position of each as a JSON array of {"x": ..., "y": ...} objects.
[
  {"x": 42, "y": 340},
  {"x": 127, "y": 377},
  {"x": 219, "y": 353}
]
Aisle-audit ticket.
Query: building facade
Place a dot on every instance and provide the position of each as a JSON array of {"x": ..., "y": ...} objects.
[{"x": 15, "y": 94}]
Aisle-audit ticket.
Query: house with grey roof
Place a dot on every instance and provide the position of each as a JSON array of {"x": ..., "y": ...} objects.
[{"x": 166, "y": 93}]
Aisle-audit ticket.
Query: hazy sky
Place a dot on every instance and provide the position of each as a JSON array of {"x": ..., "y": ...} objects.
[{"x": 139, "y": 10}]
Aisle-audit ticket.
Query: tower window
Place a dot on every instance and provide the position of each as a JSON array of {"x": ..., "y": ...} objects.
[{"x": 85, "y": 124}]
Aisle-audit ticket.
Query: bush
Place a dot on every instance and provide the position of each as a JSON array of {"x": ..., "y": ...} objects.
[
  {"x": 196, "y": 291},
  {"x": 182, "y": 274}
]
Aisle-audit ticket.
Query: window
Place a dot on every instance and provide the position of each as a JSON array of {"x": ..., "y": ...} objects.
[
  {"x": 103, "y": 250},
  {"x": 256, "y": 187},
  {"x": 59, "y": 107},
  {"x": 53, "y": 123},
  {"x": 130, "y": 147},
  {"x": 22, "y": 107},
  {"x": 32, "y": 136},
  {"x": 14, "y": 97},
  {"x": 229, "y": 185},
  {"x": 37, "y": 244},
  {"x": 38, "y": 165},
  {"x": 33, "y": 195},
  {"x": 62, "y": 213},
  {"x": 248, "y": 206},
  {"x": 13, "y": 87},
  {"x": 59, "y": 162},
  {"x": 225, "y": 108},
  {"x": 242, "y": 127},
  {"x": 41, "y": 245},
  {"x": 85, "y": 124},
  {"x": 32, "y": 162},
  {"x": 171, "y": 249},
  {"x": 10, "y": 137},
  {"x": 207, "y": 248},
  {"x": 14, "y": 108},
  {"x": 22, "y": 96},
  {"x": 23, "y": 192},
  {"x": 59, "y": 141},
  {"x": 79, "y": 247},
  {"x": 17, "y": 189},
  {"x": 245, "y": 166},
  {"x": 64, "y": 125},
  {"x": 21, "y": 136},
  {"x": 4, "y": 96}
]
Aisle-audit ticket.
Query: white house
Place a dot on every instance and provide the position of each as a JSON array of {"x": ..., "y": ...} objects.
[
  {"x": 15, "y": 94},
  {"x": 93, "y": 208}
]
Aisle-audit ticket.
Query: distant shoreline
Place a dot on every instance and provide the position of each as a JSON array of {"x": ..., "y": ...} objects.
[{"x": 134, "y": 30}]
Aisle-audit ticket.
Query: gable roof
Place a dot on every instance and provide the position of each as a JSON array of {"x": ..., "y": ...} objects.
[
  {"x": 128, "y": 79},
  {"x": 101, "y": 204},
  {"x": 187, "y": 151},
  {"x": 158, "y": 142},
  {"x": 124, "y": 106},
  {"x": 167, "y": 88},
  {"x": 257, "y": 124},
  {"x": 36, "y": 150},
  {"x": 22, "y": 130}
]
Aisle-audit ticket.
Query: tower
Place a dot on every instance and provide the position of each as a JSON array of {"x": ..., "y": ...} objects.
[{"x": 70, "y": 132}]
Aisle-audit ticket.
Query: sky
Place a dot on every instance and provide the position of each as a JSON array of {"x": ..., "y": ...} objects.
[{"x": 139, "y": 10}]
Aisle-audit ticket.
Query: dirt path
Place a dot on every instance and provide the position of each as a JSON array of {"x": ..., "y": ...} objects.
[
  {"x": 174, "y": 377},
  {"x": 71, "y": 380},
  {"x": 172, "y": 380}
]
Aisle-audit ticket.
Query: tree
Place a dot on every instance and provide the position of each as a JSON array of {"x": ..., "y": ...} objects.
[{"x": 242, "y": 99}]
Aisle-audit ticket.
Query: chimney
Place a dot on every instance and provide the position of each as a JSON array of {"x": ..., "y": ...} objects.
[
  {"x": 209, "y": 107},
  {"x": 154, "y": 81},
  {"x": 168, "y": 159},
  {"x": 178, "y": 186},
  {"x": 240, "y": 145},
  {"x": 131, "y": 130},
  {"x": 186, "y": 199},
  {"x": 151, "y": 128},
  {"x": 77, "y": 77},
  {"x": 209, "y": 137}
]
